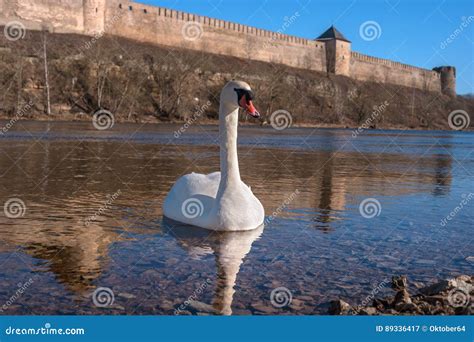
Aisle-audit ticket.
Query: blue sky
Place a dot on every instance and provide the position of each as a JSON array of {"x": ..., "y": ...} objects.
[{"x": 413, "y": 32}]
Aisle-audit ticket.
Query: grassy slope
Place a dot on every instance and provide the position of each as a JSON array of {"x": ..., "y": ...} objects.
[{"x": 143, "y": 83}]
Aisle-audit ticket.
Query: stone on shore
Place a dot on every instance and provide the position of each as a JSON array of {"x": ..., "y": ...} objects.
[
  {"x": 338, "y": 307},
  {"x": 445, "y": 297}
]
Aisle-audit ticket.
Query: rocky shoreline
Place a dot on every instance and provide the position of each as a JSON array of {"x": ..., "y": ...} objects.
[{"x": 445, "y": 297}]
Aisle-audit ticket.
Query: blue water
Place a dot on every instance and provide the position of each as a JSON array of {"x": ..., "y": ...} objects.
[{"x": 316, "y": 243}]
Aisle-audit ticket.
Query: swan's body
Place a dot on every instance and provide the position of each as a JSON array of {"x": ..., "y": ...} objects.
[{"x": 220, "y": 200}]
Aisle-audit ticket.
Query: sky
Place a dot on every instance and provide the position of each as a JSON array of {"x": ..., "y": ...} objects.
[{"x": 424, "y": 33}]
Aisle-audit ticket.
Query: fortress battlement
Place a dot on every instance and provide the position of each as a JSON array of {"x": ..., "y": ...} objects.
[{"x": 331, "y": 52}]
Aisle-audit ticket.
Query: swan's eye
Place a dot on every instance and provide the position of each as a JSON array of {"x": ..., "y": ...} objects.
[
  {"x": 243, "y": 94},
  {"x": 244, "y": 100}
]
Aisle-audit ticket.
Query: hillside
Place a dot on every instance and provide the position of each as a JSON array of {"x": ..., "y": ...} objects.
[{"x": 143, "y": 83}]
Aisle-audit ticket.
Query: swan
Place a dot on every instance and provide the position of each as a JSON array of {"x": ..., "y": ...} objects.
[{"x": 219, "y": 201}]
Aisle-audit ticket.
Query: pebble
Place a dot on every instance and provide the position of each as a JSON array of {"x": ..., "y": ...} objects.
[
  {"x": 151, "y": 273},
  {"x": 435, "y": 299},
  {"x": 126, "y": 295},
  {"x": 368, "y": 311},
  {"x": 202, "y": 307},
  {"x": 402, "y": 297},
  {"x": 263, "y": 308},
  {"x": 296, "y": 302},
  {"x": 399, "y": 283},
  {"x": 338, "y": 307},
  {"x": 435, "y": 288}
]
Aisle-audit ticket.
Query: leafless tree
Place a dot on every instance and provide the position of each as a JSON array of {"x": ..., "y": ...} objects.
[{"x": 46, "y": 74}]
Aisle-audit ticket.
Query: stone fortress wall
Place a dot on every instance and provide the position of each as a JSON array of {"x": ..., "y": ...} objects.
[
  {"x": 174, "y": 28},
  {"x": 162, "y": 26},
  {"x": 57, "y": 15},
  {"x": 368, "y": 68}
]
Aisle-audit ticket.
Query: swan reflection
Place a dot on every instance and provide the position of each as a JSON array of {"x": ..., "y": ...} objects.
[{"x": 229, "y": 249}]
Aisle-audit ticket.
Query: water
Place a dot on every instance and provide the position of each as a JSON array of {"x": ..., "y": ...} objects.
[{"x": 93, "y": 218}]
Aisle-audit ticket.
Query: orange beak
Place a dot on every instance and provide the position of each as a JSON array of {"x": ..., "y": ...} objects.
[{"x": 249, "y": 107}]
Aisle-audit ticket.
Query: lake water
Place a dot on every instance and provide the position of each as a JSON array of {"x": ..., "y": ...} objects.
[{"x": 92, "y": 218}]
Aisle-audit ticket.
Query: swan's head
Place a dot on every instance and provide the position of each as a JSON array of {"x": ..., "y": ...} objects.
[{"x": 238, "y": 94}]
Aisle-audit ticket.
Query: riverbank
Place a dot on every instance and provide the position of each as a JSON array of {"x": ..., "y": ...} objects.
[
  {"x": 150, "y": 84},
  {"x": 7, "y": 122},
  {"x": 68, "y": 117}
]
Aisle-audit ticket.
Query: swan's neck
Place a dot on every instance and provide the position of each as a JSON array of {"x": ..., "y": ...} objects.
[{"x": 228, "y": 123}]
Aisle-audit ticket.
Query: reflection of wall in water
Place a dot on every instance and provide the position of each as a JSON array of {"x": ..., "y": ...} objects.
[
  {"x": 332, "y": 194},
  {"x": 442, "y": 178},
  {"x": 74, "y": 252},
  {"x": 327, "y": 181}
]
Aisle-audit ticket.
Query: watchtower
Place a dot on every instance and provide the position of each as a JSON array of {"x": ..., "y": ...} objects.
[
  {"x": 338, "y": 51},
  {"x": 94, "y": 16},
  {"x": 448, "y": 79}
]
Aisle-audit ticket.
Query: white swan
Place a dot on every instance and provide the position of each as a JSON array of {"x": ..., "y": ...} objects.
[{"x": 220, "y": 200}]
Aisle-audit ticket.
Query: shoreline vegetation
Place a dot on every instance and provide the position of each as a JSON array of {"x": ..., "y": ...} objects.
[{"x": 142, "y": 83}]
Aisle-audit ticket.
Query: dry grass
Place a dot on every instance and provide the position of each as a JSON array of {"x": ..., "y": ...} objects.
[{"x": 143, "y": 83}]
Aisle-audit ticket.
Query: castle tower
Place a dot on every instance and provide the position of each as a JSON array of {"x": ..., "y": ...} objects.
[
  {"x": 338, "y": 51},
  {"x": 448, "y": 79},
  {"x": 94, "y": 16}
]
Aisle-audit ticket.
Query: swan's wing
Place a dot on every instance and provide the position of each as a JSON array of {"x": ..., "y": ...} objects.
[
  {"x": 192, "y": 197},
  {"x": 197, "y": 184}
]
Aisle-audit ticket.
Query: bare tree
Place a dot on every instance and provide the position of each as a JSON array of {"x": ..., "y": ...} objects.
[{"x": 46, "y": 75}]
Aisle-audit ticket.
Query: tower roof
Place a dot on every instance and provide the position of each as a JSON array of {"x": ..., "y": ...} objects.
[{"x": 332, "y": 33}]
